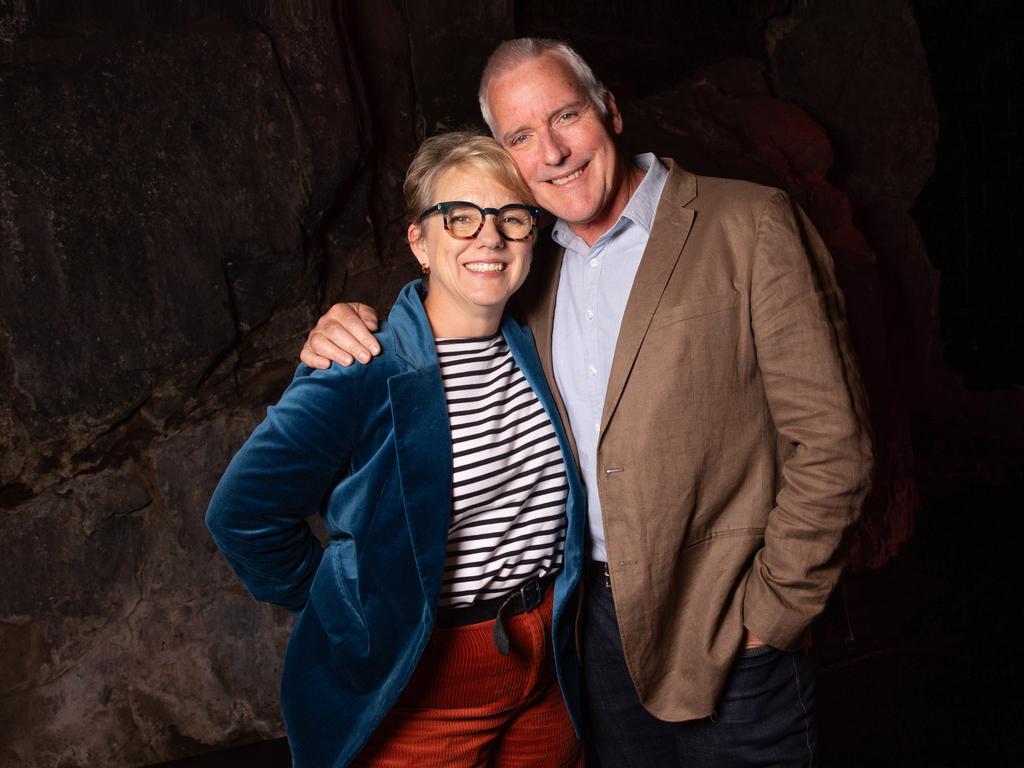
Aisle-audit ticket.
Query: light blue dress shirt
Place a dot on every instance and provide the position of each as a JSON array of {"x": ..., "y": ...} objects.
[{"x": 593, "y": 288}]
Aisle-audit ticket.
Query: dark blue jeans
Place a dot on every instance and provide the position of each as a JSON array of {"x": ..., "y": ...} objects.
[{"x": 764, "y": 717}]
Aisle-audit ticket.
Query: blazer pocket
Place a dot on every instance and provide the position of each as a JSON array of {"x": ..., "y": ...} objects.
[
  {"x": 686, "y": 310},
  {"x": 332, "y": 597}
]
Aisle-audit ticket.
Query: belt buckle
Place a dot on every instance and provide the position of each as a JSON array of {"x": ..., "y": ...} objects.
[
  {"x": 531, "y": 594},
  {"x": 607, "y": 575}
]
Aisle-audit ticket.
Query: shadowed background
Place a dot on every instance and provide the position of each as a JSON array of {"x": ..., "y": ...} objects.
[{"x": 185, "y": 186}]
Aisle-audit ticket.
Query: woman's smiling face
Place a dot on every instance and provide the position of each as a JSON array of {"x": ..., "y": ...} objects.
[{"x": 470, "y": 280}]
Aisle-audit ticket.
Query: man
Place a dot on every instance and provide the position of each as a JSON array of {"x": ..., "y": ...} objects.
[{"x": 694, "y": 331}]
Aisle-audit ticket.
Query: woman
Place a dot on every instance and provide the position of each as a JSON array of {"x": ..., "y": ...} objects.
[{"x": 433, "y": 629}]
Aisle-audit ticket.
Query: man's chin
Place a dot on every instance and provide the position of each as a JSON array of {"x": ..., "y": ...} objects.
[{"x": 571, "y": 211}]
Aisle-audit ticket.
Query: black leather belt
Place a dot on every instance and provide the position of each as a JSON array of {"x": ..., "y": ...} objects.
[
  {"x": 596, "y": 572},
  {"x": 522, "y": 599}
]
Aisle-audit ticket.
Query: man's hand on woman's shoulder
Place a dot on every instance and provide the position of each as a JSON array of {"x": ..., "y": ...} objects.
[{"x": 343, "y": 335}]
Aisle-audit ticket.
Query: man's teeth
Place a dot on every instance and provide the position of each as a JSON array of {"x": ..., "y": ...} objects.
[
  {"x": 567, "y": 179},
  {"x": 486, "y": 266}
]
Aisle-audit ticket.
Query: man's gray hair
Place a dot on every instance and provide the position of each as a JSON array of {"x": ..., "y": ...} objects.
[{"x": 511, "y": 53}]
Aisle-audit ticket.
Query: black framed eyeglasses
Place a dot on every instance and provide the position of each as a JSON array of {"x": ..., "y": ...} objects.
[{"x": 464, "y": 220}]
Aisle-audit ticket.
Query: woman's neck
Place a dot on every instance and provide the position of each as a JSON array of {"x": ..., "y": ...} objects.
[{"x": 462, "y": 325}]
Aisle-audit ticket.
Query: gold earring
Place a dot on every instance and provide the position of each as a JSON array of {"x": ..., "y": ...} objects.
[{"x": 424, "y": 269}]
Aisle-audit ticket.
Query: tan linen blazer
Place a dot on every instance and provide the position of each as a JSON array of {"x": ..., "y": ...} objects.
[{"x": 734, "y": 448}]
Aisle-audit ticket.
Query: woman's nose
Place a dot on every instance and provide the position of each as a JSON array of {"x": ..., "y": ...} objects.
[{"x": 489, "y": 234}]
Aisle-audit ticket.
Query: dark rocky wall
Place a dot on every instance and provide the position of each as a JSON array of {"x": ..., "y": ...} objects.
[
  {"x": 183, "y": 187},
  {"x": 162, "y": 183}
]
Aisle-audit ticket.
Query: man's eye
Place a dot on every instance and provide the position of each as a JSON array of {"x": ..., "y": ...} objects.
[
  {"x": 520, "y": 140},
  {"x": 568, "y": 117}
]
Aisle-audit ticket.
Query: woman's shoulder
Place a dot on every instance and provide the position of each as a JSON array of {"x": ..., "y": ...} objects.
[
  {"x": 385, "y": 364},
  {"x": 405, "y": 344}
]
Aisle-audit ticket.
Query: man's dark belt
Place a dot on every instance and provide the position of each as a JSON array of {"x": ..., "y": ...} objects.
[
  {"x": 523, "y": 598},
  {"x": 596, "y": 572}
]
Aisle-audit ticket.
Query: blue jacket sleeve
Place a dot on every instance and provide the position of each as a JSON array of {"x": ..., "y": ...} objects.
[{"x": 280, "y": 477}]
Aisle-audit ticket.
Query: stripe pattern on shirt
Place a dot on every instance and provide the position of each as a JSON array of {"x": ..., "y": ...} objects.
[{"x": 509, "y": 487}]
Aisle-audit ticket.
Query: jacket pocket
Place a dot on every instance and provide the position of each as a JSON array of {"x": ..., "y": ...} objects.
[
  {"x": 334, "y": 595},
  {"x": 707, "y": 305}
]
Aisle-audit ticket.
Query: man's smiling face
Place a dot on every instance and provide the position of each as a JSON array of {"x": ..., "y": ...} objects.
[{"x": 562, "y": 143}]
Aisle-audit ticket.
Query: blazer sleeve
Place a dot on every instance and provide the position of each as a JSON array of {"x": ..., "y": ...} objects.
[
  {"x": 817, "y": 403},
  {"x": 279, "y": 477}
]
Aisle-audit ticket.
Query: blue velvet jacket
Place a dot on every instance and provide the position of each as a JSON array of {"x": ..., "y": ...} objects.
[{"x": 369, "y": 448}]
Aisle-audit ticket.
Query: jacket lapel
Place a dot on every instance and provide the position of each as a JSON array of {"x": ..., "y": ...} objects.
[
  {"x": 422, "y": 440},
  {"x": 672, "y": 223},
  {"x": 547, "y": 265},
  {"x": 539, "y": 311},
  {"x": 423, "y": 445},
  {"x": 521, "y": 345}
]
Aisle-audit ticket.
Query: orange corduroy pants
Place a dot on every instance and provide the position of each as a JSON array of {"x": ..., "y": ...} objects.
[{"x": 467, "y": 705}]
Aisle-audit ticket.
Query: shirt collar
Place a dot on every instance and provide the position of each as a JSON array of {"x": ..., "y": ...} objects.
[{"x": 639, "y": 210}]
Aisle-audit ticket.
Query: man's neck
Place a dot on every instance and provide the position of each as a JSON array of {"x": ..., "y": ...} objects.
[{"x": 590, "y": 231}]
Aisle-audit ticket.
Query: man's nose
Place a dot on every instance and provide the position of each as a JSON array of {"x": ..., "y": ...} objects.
[{"x": 553, "y": 147}]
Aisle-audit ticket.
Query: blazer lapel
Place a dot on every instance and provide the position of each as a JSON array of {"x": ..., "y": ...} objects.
[
  {"x": 672, "y": 224},
  {"x": 521, "y": 345},
  {"x": 539, "y": 312},
  {"x": 423, "y": 441},
  {"x": 543, "y": 287},
  {"x": 423, "y": 444}
]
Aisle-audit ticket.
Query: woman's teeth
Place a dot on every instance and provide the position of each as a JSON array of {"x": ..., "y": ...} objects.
[{"x": 488, "y": 266}]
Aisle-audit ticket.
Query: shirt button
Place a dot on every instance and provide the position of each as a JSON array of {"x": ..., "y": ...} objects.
[
  {"x": 589, "y": 314},
  {"x": 592, "y": 370},
  {"x": 593, "y": 263}
]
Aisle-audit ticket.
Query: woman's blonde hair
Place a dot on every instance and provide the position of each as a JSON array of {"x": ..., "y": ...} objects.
[{"x": 453, "y": 150}]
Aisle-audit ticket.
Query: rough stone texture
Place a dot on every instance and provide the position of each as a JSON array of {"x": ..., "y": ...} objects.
[
  {"x": 164, "y": 177},
  {"x": 183, "y": 186},
  {"x": 132, "y": 641},
  {"x": 142, "y": 238},
  {"x": 450, "y": 45},
  {"x": 373, "y": 266},
  {"x": 857, "y": 66}
]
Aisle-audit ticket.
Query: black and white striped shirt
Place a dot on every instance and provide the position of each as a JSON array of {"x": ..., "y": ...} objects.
[{"x": 509, "y": 486}]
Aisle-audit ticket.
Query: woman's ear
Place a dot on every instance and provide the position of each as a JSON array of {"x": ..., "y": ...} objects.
[{"x": 417, "y": 244}]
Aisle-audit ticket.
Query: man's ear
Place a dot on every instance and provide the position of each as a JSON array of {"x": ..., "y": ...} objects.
[{"x": 614, "y": 116}]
